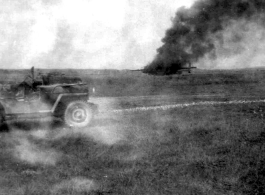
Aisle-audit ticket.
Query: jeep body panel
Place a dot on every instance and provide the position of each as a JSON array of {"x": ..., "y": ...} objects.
[{"x": 43, "y": 100}]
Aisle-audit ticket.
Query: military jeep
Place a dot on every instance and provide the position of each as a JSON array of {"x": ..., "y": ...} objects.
[{"x": 53, "y": 95}]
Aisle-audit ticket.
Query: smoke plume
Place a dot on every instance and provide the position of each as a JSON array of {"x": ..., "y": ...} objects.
[{"x": 211, "y": 30}]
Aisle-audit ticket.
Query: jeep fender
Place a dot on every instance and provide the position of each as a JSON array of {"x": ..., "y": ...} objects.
[{"x": 64, "y": 99}]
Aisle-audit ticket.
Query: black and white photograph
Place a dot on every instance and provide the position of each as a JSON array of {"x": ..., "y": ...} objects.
[{"x": 132, "y": 97}]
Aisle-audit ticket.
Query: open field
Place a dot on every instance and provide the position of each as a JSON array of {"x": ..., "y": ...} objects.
[
  {"x": 200, "y": 149},
  {"x": 115, "y": 83}
]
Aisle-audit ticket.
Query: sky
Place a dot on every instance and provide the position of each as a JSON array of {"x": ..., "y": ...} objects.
[{"x": 89, "y": 34}]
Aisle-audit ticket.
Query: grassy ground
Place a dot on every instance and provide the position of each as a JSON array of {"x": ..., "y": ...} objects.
[
  {"x": 197, "y": 150},
  {"x": 217, "y": 149},
  {"x": 112, "y": 83}
]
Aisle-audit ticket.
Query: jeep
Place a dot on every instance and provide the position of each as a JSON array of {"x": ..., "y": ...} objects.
[{"x": 53, "y": 95}]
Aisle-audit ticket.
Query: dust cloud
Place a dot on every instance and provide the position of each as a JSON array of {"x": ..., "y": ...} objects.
[
  {"x": 26, "y": 150},
  {"x": 77, "y": 184},
  {"x": 108, "y": 135},
  {"x": 31, "y": 143}
]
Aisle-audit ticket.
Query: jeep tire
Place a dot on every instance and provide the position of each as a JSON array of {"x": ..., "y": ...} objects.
[{"x": 78, "y": 114}]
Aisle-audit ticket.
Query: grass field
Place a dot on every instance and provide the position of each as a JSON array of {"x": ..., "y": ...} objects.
[
  {"x": 113, "y": 83},
  {"x": 204, "y": 149}
]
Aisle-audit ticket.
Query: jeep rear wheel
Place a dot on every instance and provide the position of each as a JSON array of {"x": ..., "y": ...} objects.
[{"x": 78, "y": 114}]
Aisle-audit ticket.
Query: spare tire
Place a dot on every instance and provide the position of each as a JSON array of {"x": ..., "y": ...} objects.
[
  {"x": 78, "y": 114},
  {"x": 2, "y": 118},
  {"x": 3, "y": 126},
  {"x": 2, "y": 114}
]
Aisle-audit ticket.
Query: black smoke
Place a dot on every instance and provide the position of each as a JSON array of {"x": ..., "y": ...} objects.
[{"x": 191, "y": 36}]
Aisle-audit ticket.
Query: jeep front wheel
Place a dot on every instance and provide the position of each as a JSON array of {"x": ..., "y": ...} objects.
[{"x": 78, "y": 114}]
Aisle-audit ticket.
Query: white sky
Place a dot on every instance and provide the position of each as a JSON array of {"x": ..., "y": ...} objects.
[{"x": 119, "y": 34}]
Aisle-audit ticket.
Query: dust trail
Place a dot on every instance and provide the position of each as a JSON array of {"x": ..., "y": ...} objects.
[
  {"x": 77, "y": 184},
  {"x": 24, "y": 149},
  {"x": 110, "y": 130},
  {"x": 107, "y": 135},
  {"x": 126, "y": 138},
  {"x": 167, "y": 107},
  {"x": 113, "y": 129}
]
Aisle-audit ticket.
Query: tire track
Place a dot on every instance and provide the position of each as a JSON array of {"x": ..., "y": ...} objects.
[{"x": 183, "y": 105}]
